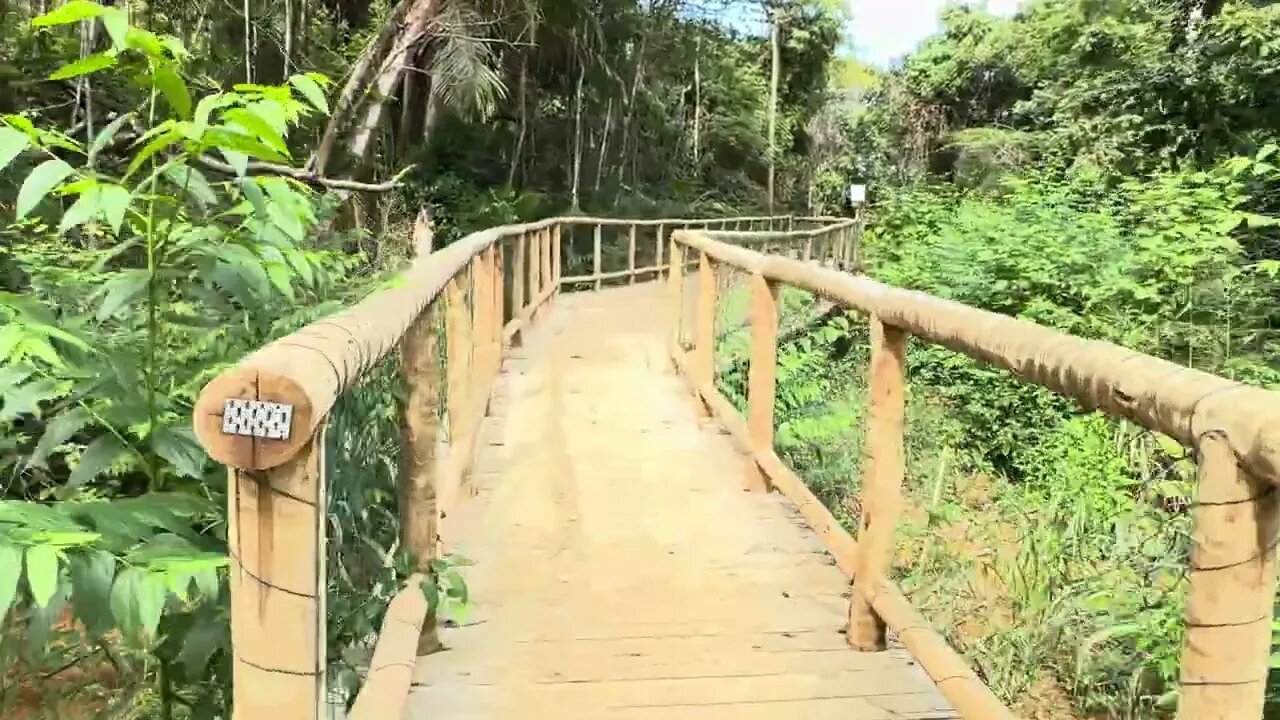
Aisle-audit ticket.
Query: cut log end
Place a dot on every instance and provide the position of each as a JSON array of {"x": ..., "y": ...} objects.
[{"x": 243, "y": 451}]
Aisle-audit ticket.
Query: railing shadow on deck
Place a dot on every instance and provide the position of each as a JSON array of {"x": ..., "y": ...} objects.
[
  {"x": 1234, "y": 430},
  {"x": 265, "y": 419}
]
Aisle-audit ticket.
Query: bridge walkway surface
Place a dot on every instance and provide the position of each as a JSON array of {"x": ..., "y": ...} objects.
[{"x": 621, "y": 571}]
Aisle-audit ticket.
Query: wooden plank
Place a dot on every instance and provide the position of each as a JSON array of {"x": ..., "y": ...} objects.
[
  {"x": 631, "y": 254},
  {"x": 275, "y": 522},
  {"x": 1225, "y": 655},
  {"x": 882, "y": 481}
]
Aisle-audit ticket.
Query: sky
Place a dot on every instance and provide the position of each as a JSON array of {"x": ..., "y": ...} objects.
[{"x": 885, "y": 30}]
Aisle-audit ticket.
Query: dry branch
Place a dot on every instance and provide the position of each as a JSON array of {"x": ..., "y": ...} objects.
[{"x": 308, "y": 176}]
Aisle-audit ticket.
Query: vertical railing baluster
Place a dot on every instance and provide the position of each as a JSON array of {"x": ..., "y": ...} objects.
[
  {"x": 704, "y": 340},
  {"x": 631, "y": 254},
  {"x": 517, "y": 276},
  {"x": 1225, "y": 655},
  {"x": 762, "y": 370},
  {"x": 657, "y": 252},
  {"x": 457, "y": 355},
  {"x": 535, "y": 263},
  {"x": 675, "y": 296},
  {"x": 418, "y": 508},
  {"x": 275, "y": 531},
  {"x": 596, "y": 255},
  {"x": 556, "y": 273},
  {"x": 881, "y": 482},
  {"x": 548, "y": 278}
]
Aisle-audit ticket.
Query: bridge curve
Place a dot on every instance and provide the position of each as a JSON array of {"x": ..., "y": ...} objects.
[
  {"x": 629, "y": 552},
  {"x": 621, "y": 571}
]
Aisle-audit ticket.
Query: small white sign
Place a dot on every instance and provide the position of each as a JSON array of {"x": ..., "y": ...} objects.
[{"x": 857, "y": 194}]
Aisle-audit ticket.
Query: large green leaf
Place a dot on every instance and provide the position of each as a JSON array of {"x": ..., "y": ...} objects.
[
  {"x": 116, "y": 22},
  {"x": 155, "y": 145},
  {"x": 12, "y": 143},
  {"x": 312, "y": 91},
  {"x": 82, "y": 210},
  {"x": 44, "y": 178},
  {"x": 200, "y": 643},
  {"x": 121, "y": 290},
  {"x": 84, "y": 66},
  {"x": 178, "y": 445},
  {"x": 58, "y": 431},
  {"x": 73, "y": 11},
  {"x": 10, "y": 571},
  {"x": 100, "y": 455},
  {"x": 193, "y": 182},
  {"x": 151, "y": 594},
  {"x": 91, "y": 576},
  {"x": 107, "y": 134},
  {"x": 124, "y": 600},
  {"x": 42, "y": 573},
  {"x": 113, "y": 201},
  {"x": 174, "y": 89}
]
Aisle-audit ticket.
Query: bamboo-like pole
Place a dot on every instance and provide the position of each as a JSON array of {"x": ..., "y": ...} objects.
[
  {"x": 657, "y": 252},
  {"x": 675, "y": 297},
  {"x": 275, "y": 531},
  {"x": 631, "y": 255},
  {"x": 882, "y": 482},
  {"x": 1225, "y": 655},
  {"x": 595, "y": 268},
  {"x": 517, "y": 275},
  {"x": 704, "y": 341}
]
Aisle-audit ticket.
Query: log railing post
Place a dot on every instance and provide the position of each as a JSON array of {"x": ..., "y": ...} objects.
[
  {"x": 458, "y": 355},
  {"x": 533, "y": 260},
  {"x": 555, "y": 255},
  {"x": 1225, "y": 654},
  {"x": 517, "y": 276},
  {"x": 631, "y": 254},
  {"x": 275, "y": 532},
  {"x": 548, "y": 278},
  {"x": 595, "y": 249},
  {"x": 881, "y": 482},
  {"x": 808, "y": 248},
  {"x": 762, "y": 370},
  {"x": 675, "y": 296},
  {"x": 704, "y": 340},
  {"x": 419, "y": 512},
  {"x": 657, "y": 252}
]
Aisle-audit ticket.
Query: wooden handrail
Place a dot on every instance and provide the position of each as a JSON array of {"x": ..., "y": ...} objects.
[{"x": 1234, "y": 428}]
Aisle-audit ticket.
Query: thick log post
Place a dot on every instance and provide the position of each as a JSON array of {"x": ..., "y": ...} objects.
[
  {"x": 419, "y": 518},
  {"x": 657, "y": 252},
  {"x": 535, "y": 268},
  {"x": 556, "y": 274},
  {"x": 882, "y": 482},
  {"x": 458, "y": 358},
  {"x": 704, "y": 341},
  {"x": 595, "y": 249},
  {"x": 762, "y": 370},
  {"x": 1226, "y": 652},
  {"x": 631, "y": 255},
  {"x": 675, "y": 296},
  {"x": 808, "y": 249},
  {"x": 548, "y": 277},
  {"x": 517, "y": 276},
  {"x": 275, "y": 532}
]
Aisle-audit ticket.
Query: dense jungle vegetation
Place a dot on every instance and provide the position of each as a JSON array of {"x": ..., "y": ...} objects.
[{"x": 182, "y": 181}]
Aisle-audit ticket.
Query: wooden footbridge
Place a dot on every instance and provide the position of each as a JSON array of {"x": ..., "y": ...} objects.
[{"x": 639, "y": 549}]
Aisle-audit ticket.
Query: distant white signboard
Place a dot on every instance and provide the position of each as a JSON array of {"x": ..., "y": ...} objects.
[{"x": 857, "y": 194}]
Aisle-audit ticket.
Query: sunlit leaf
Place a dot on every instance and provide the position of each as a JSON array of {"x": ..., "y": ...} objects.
[
  {"x": 42, "y": 573},
  {"x": 84, "y": 66},
  {"x": 73, "y": 11},
  {"x": 44, "y": 178},
  {"x": 91, "y": 576},
  {"x": 10, "y": 571},
  {"x": 12, "y": 143},
  {"x": 174, "y": 89},
  {"x": 81, "y": 211},
  {"x": 114, "y": 201},
  {"x": 312, "y": 91}
]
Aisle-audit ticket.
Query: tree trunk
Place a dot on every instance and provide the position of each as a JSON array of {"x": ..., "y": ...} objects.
[
  {"x": 604, "y": 143},
  {"x": 631, "y": 106},
  {"x": 697, "y": 101},
  {"x": 408, "y": 103},
  {"x": 773, "y": 99},
  {"x": 416, "y": 24},
  {"x": 524, "y": 120},
  {"x": 248, "y": 44},
  {"x": 288, "y": 37},
  {"x": 357, "y": 83},
  {"x": 577, "y": 135}
]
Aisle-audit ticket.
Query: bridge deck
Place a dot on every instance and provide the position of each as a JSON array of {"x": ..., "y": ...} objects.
[{"x": 621, "y": 572}]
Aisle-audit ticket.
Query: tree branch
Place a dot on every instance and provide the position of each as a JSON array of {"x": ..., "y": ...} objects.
[{"x": 308, "y": 176}]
